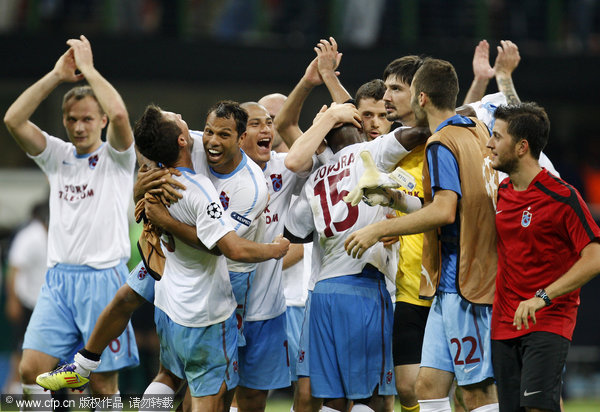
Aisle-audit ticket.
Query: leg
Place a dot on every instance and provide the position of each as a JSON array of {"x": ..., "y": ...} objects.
[
  {"x": 406, "y": 379},
  {"x": 338, "y": 404},
  {"x": 303, "y": 400},
  {"x": 433, "y": 383},
  {"x": 479, "y": 394},
  {"x": 33, "y": 363},
  {"x": 105, "y": 383},
  {"x": 251, "y": 400},
  {"x": 114, "y": 319},
  {"x": 213, "y": 403}
]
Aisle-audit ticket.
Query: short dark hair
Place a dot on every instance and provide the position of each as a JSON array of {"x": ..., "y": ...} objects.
[
  {"x": 156, "y": 137},
  {"x": 526, "y": 121},
  {"x": 404, "y": 68},
  {"x": 230, "y": 109},
  {"x": 438, "y": 80},
  {"x": 79, "y": 93},
  {"x": 343, "y": 136},
  {"x": 375, "y": 89}
]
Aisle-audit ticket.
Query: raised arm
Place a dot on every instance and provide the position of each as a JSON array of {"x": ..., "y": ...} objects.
[
  {"x": 482, "y": 72},
  {"x": 299, "y": 158},
  {"x": 328, "y": 59},
  {"x": 25, "y": 132},
  {"x": 506, "y": 62},
  {"x": 286, "y": 121},
  {"x": 119, "y": 134}
]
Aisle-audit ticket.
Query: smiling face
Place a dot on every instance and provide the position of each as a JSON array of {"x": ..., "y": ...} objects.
[
  {"x": 397, "y": 101},
  {"x": 221, "y": 144},
  {"x": 504, "y": 148},
  {"x": 258, "y": 138},
  {"x": 373, "y": 115},
  {"x": 84, "y": 122}
]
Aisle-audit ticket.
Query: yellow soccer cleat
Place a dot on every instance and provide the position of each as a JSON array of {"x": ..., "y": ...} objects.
[{"x": 62, "y": 377}]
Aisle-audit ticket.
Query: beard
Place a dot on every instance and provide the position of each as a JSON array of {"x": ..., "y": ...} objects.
[{"x": 507, "y": 166}]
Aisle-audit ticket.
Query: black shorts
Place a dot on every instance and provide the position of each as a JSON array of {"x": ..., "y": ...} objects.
[
  {"x": 409, "y": 328},
  {"x": 528, "y": 371}
]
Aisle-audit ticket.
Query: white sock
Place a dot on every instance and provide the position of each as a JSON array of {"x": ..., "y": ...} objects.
[
  {"x": 435, "y": 405},
  {"x": 154, "y": 389},
  {"x": 361, "y": 407},
  {"x": 328, "y": 409},
  {"x": 291, "y": 409},
  {"x": 233, "y": 409},
  {"x": 84, "y": 366},
  {"x": 34, "y": 389},
  {"x": 492, "y": 407}
]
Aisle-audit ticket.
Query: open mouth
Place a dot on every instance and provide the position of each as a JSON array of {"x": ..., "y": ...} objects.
[
  {"x": 374, "y": 133},
  {"x": 213, "y": 154},
  {"x": 264, "y": 143}
]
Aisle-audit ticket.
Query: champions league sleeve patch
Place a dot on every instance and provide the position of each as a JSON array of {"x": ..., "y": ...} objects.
[
  {"x": 214, "y": 211},
  {"x": 241, "y": 219}
]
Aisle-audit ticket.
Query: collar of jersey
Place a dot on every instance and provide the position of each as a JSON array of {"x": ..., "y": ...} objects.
[
  {"x": 83, "y": 156},
  {"x": 456, "y": 120},
  {"x": 237, "y": 169},
  {"x": 186, "y": 169}
]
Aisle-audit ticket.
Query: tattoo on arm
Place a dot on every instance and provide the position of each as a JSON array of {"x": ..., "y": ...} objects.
[{"x": 507, "y": 87}]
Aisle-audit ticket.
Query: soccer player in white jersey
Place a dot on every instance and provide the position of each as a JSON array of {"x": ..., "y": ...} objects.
[
  {"x": 240, "y": 184},
  {"x": 341, "y": 367},
  {"x": 194, "y": 300},
  {"x": 90, "y": 187}
]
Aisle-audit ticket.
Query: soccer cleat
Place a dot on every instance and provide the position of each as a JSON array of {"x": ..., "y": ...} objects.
[{"x": 62, "y": 377}]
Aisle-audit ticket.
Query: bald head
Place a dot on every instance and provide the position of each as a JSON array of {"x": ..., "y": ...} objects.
[{"x": 273, "y": 102}]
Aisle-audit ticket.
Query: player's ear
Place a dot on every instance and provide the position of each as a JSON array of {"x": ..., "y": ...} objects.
[
  {"x": 241, "y": 139},
  {"x": 181, "y": 140}
]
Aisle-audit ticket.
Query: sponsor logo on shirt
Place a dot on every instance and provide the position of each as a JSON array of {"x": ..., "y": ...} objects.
[{"x": 74, "y": 193}]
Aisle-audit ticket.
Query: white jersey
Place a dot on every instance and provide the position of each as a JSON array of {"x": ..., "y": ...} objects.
[
  {"x": 27, "y": 254},
  {"x": 296, "y": 277},
  {"x": 321, "y": 208},
  {"x": 195, "y": 290},
  {"x": 89, "y": 199},
  {"x": 485, "y": 109},
  {"x": 266, "y": 299},
  {"x": 243, "y": 195}
]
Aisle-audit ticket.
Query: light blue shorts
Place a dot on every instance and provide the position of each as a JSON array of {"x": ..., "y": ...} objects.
[
  {"x": 140, "y": 281},
  {"x": 264, "y": 361},
  {"x": 205, "y": 357},
  {"x": 457, "y": 339},
  {"x": 294, "y": 316},
  {"x": 241, "y": 283},
  {"x": 301, "y": 355},
  {"x": 68, "y": 306},
  {"x": 351, "y": 323}
]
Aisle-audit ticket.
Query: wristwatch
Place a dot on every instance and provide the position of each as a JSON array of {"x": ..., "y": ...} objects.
[{"x": 541, "y": 293}]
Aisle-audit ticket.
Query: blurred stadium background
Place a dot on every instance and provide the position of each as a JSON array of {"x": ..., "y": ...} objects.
[{"x": 186, "y": 54}]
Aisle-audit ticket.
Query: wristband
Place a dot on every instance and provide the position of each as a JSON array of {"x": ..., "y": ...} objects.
[{"x": 541, "y": 293}]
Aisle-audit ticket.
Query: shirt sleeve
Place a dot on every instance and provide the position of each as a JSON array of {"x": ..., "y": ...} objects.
[
  {"x": 443, "y": 169},
  {"x": 386, "y": 151},
  {"x": 125, "y": 159},
  {"x": 579, "y": 224},
  {"x": 54, "y": 152},
  {"x": 299, "y": 220}
]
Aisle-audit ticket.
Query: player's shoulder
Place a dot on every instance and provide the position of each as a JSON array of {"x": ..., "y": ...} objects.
[{"x": 553, "y": 185}]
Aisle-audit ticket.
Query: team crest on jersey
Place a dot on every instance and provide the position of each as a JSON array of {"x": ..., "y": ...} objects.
[
  {"x": 93, "y": 161},
  {"x": 214, "y": 211},
  {"x": 224, "y": 200},
  {"x": 277, "y": 181},
  {"x": 526, "y": 218}
]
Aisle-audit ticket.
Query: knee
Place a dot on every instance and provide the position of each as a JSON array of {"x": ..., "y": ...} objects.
[
  {"x": 423, "y": 388},
  {"x": 251, "y": 399},
  {"x": 480, "y": 394},
  {"x": 28, "y": 371},
  {"x": 104, "y": 383},
  {"x": 406, "y": 391}
]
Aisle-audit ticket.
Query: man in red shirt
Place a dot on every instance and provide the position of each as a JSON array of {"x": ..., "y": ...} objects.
[{"x": 548, "y": 247}]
